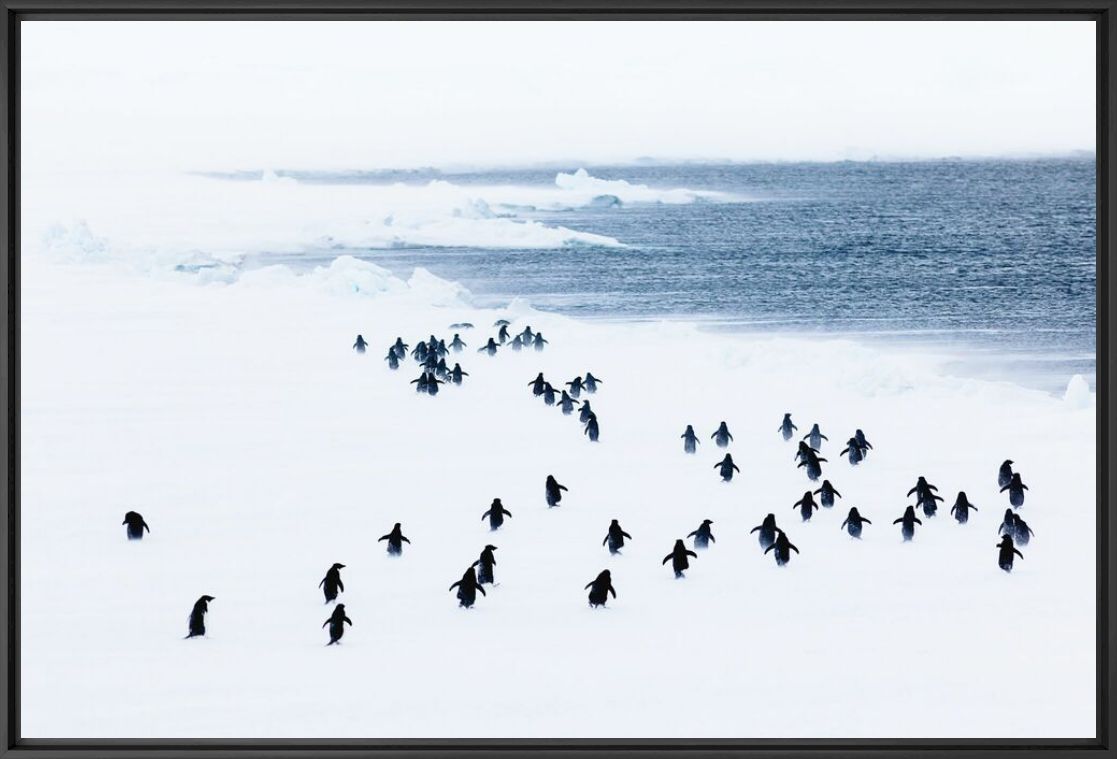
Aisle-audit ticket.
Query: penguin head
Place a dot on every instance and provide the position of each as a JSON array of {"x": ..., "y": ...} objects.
[
  {"x": 1008, "y": 462},
  {"x": 396, "y": 526},
  {"x": 1009, "y": 515},
  {"x": 605, "y": 575},
  {"x": 853, "y": 512},
  {"x": 909, "y": 512},
  {"x": 1006, "y": 541},
  {"x": 614, "y": 523},
  {"x": 922, "y": 480},
  {"x": 1016, "y": 520},
  {"x": 496, "y": 502},
  {"x": 339, "y": 610},
  {"x": 707, "y": 522},
  {"x": 680, "y": 545},
  {"x": 962, "y": 496},
  {"x": 550, "y": 479},
  {"x": 337, "y": 566},
  {"x": 207, "y": 599},
  {"x": 490, "y": 547},
  {"x": 787, "y": 415},
  {"x": 770, "y": 520},
  {"x": 1016, "y": 478}
]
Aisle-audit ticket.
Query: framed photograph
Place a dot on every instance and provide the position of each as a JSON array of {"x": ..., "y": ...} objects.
[{"x": 655, "y": 378}]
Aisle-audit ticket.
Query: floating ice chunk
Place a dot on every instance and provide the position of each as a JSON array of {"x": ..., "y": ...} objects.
[{"x": 1078, "y": 395}]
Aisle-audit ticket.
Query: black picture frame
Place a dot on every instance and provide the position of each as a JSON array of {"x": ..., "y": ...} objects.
[{"x": 1102, "y": 12}]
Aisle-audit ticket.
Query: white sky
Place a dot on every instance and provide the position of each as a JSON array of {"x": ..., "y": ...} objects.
[{"x": 223, "y": 95}]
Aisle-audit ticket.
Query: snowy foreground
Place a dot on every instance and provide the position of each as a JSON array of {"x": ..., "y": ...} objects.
[{"x": 261, "y": 449}]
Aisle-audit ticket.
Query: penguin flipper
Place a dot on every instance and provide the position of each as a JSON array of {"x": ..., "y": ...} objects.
[{"x": 867, "y": 521}]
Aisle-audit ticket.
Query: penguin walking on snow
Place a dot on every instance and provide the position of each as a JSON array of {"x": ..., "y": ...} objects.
[
  {"x": 767, "y": 530},
  {"x": 331, "y": 584},
  {"x": 196, "y": 625},
  {"x": 395, "y": 540},
  {"x": 496, "y": 514},
  {"x": 467, "y": 588},
  {"x": 553, "y": 491},
  {"x": 854, "y": 451},
  {"x": 961, "y": 508},
  {"x": 490, "y": 347},
  {"x": 813, "y": 462},
  {"x": 702, "y": 536},
  {"x": 1004, "y": 474},
  {"x": 907, "y": 523},
  {"x": 136, "y": 525},
  {"x": 826, "y": 494},
  {"x": 566, "y": 403},
  {"x": 591, "y": 382},
  {"x": 539, "y": 342},
  {"x": 538, "y": 384},
  {"x": 600, "y": 588},
  {"x": 400, "y": 347},
  {"x": 815, "y": 437},
  {"x": 548, "y": 394},
  {"x": 457, "y": 344},
  {"x": 853, "y": 523},
  {"x": 393, "y": 359},
  {"x": 1007, "y": 553},
  {"x": 517, "y": 343},
  {"x": 575, "y": 386},
  {"x": 457, "y": 373},
  {"x": 503, "y": 335},
  {"x": 678, "y": 558},
  {"x": 925, "y": 497},
  {"x": 721, "y": 436},
  {"x": 787, "y": 427},
  {"x": 592, "y": 429},
  {"x": 615, "y": 537},
  {"x": 865, "y": 445},
  {"x": 1015, "y": 488},
  {"x": 806, "y": 506},
  {"x": 1021, "y": 532},
  {"x": 586, "y": 413},
  {"x": 726, "y": 467},
  {"x": 783, "y": 548},
  {"x": 690, "y": 440},
  {"x": 337, "y": 623},
  {"x": 485, "y": 565},
  {"x": 360, "y": 345},
  {"x": 1008, "y": 524}
]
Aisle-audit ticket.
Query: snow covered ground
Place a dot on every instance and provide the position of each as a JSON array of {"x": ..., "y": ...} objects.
[{"x": 261, "y": 449}]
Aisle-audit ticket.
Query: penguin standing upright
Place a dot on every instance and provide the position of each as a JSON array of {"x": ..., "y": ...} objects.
[
  {"x": 1004, "y": 474},
  {"x": 539, "y": 342},
  {"x": 538, "y": 384},
  {"x": 196, "y": 625},
  {"x": 854, "y": 450},
  {"x": 907, "y": 523},
  {"x": 457, "y": 344},
  {"x": 136, "y": 525},
  {"x": 337, "y": 623},
  {"x": 457, "y": 373},
  {"x": 467, "y": 588},
  {"x": 503, "y": 335},
  {"x": 496, "y": 514},
  {"x": 586, "y": 413},
  {"x": 1015, "y": 488},
  {"x": 592, "y": 429},
  {"x": 787, "y": 427},
  {"x": 400, "y": 347},
  {"x": 615, "y": 537},
  {"x": 331, "y": 584},
  {"x": 395, "y": 540},
  {"x": 864, "y": 444},
  {"x": 702, "y": 536},
  {"x": 961, "y": 508},
  {"x": 815, "y": 437},
  {"x": 813, "y": 462},
  {"x": 360, "y": 345},
  {"x": 690, "y": 440},
  {"x": 1021, "y": 532},
  {"x": 854, "y": 521},
  {"x": 517, "y": 343},
  {"x": 1007, "y": 553},
  {"x": 591, "y": 382},
  {"x": 393, "y": 359},
  {"x": 490, "y": 347},
  {"x": 726, "y": 467},
  {"x": 925, "y": 497},
  {"x": 600, "y": 588},
  {"x": 1008, "y": 524},
  {"x": 678, "y": 558},
  {"x": 485, "y": 565},
  {"x": 566, "y": 403},
  {"x": 783, "y": 548},
  {"x": 767, "y": 530},
  {"x": 553, "y": 491},
  {"x": 721, "y": 436},
  {"x": 575, "y": 386},
  {"x": 548, "y": 394},
  {"x": 806, "y": 506},
  {"x": 827, "y": 493}
]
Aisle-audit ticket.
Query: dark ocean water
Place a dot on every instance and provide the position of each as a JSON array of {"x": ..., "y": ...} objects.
[{"x": 991, "y": 260}]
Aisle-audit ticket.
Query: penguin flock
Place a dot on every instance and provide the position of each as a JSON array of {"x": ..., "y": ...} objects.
[{"x": 431, "y": 355}]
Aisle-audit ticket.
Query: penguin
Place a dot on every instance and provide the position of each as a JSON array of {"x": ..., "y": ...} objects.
[
  {"x": 421, "y": 383},
  {"x": 457, "y": 373},
  {"x": 527, "y": 336},
  {"x": 489, "y": 347},
  {"x": 457, "y": 344},
  {"x": 440, "y": 348},
  {"x": 1015, "y": 490},
  {"x": 1008, "y": 524},
  {"x": 553, "y": 491},
  {"x": 854, "y": 450},
  {"x": 548, "y": 394},
  {"x": 539, "y": 342},
  {"x": 395, "y": 540},
  {"x": 517, "y": 343},
  {"x": 136, "y": 525},
  {"x": 575, "y": 387},
  {"x": 496, "y": 514},
  {"x": 197, "y": 623},
  {"x": 566, "y": 403},
  {"x": 337, "y": 623},
  {"x": 678, "y": 558},
  {"x": 485, "y": 565},
  {"x": 908, "y": 522},
  {"x": 537, "y": 384},
  {"x": 783, "y": 548},
  {"x": 1004, "y": 474},
  {"x": 600, "y": 588},
  {"x": 767, "y": 530},
  {"x": 432, "y": 384},
  {"x": 862, "y": 443},
  {"x": 1007, "y": 553},
  {"x": 400, "y": 347},
  {"x": 1021, "y": 532},
  {"x": 787, "y": 427},
  {"x": 702, "y": 536},
  {"x": 726, "y": 467},
  {"x": 419, "y": 352},
  {"x": 615, "y": 537},
  {"x": 586, "y": 412},
  {"x": 690, "y": 440},
  {"x": 806, "y": 506},
  {"x": 721, "y": 436},
  {"x": 591, "y": 382},
  {"x": 816, "y": 437},
  {"x": 812, "y": 462},
  {"x": 853, "y": 522},
  {"x": 360, "y": 345},
  {"x": 392, "y": 359},
  {"x": 803, "y": 451},
  {"x": 331, "y": 583},
  {"x": 467, "y": 588},
  {"x": 503, "y": 335},
  {"x": 961, "y": 508},
  {"x": 925, "y": 497},
  {"x": 592, "y": 429},
  {"x": 441, "y": 370},
  {"x": 827, "y": 493}
]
